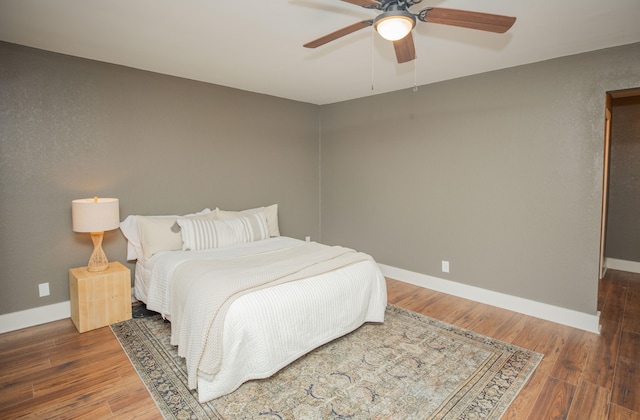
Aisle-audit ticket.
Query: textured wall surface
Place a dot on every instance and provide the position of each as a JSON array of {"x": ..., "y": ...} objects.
[
  {"x": 500, "y": 174},
  {"x": 74, "y": 128}
]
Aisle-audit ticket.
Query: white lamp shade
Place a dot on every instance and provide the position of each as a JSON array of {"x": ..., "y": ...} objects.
[
  {"x": 95, "y": 214},
  {"x": 393, "y": 28}
]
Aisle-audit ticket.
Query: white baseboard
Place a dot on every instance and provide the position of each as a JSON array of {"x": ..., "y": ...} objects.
[
  {"x": 41, "y": 315},
  {"x": 622, "y": 265},
  {"x": 36, "y": 316},
  {"x": 544, "y": 311}
]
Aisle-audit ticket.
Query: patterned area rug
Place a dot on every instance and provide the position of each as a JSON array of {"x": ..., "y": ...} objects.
[{"x": 410, "y": 367}]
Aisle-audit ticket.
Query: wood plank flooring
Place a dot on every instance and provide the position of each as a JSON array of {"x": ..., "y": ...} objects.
[{"x": 51, "y": 371}]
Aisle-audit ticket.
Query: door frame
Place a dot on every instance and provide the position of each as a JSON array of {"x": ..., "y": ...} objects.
[{"x": 602, "y": 268}]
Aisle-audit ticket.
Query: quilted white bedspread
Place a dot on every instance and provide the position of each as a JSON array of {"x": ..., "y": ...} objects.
[{"x": 264, "y": 328}]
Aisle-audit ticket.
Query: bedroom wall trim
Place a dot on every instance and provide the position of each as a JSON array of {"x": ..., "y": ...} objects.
[
  {"x": 622, "y": 265},
  {"x": 569, "y": 317},
  {"x": 43, "y": 314},
  {"x": 36, "y": 316}
]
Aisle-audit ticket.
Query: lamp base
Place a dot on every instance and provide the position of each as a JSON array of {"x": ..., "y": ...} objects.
[{"x": 98, "y": 260}]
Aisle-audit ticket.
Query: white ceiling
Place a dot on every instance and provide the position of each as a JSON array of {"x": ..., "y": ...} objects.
[{"x": 256, "y": 45}]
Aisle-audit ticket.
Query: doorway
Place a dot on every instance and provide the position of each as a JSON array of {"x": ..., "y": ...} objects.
[{"x": 617, "y": 100}]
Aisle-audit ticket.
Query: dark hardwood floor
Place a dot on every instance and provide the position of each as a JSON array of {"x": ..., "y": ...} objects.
[{"x": 51, "y": 371}]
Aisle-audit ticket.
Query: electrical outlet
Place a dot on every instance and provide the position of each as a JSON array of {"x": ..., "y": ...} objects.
[
  {"x": 44, "y": 289},
  {"x": 307, "y": 238},
  {"x": 445, "y": 266}
]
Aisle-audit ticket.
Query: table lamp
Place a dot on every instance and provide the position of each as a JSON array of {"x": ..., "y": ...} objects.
[{"x": 96, "y": 215}]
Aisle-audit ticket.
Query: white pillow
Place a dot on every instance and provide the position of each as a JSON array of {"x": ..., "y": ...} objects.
[
  {"x": 271, "y": 213},
  {"x": 201, "y": 233},
  {"x": 129, "y": 228}
]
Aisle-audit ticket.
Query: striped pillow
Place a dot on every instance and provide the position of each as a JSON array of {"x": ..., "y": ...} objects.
[{"x": 200, "y": 233}]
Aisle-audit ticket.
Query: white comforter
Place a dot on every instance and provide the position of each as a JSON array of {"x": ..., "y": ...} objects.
[{"x": 266, "y": 329}]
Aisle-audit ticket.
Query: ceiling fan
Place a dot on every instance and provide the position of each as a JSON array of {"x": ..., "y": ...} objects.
[{"x": 396, "y": 22}]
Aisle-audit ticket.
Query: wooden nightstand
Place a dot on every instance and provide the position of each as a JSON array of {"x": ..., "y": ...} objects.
[{"x": 100, "y": 298}]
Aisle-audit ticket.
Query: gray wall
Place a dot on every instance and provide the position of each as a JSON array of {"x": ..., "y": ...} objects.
[
  {"x": 74, "y": 128},
  {"x": 499, "y": 173},
  {"x": 623, "y": 217}
]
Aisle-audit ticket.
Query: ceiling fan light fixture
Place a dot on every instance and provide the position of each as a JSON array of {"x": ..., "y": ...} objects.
[{"x": 394, "y": 25}]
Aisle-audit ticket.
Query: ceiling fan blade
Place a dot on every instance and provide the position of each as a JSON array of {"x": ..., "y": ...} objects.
[
  {"x": 466, "y": 19},
  {"x": 372, "y": 4},
  {"x": 405, "y": 49},
  {"x": 338, "y": 34}
]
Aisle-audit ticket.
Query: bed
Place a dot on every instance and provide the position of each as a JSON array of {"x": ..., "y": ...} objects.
[{"x": 243, "y": 308}]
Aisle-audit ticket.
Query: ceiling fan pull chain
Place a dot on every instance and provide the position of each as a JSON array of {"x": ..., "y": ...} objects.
[
  {"x": 372, "y": 57},
  {"x": 415, "y": 75}
]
